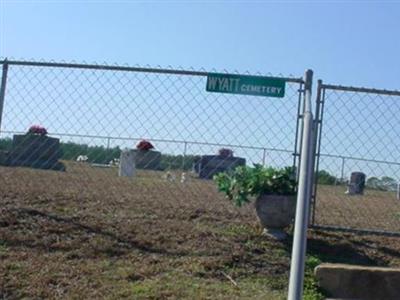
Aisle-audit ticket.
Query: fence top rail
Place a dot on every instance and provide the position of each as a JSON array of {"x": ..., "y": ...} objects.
[
  {"x": 356, "y": 230},
  {"x": 156, "y": 140},
  {"x": 360, "y": 159},
  {"x": 128, "y": 69},
  {"x": 360, "y": 89}
]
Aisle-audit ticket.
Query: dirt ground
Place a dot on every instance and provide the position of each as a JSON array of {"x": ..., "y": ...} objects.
[
  {"x": 374, "y": 210},
  {"x": 86, "y": 233}
]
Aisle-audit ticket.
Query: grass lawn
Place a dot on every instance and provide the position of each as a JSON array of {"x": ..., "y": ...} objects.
[
  {"x": 376, "y": 210},
  {"x": 86, "y": 233}
]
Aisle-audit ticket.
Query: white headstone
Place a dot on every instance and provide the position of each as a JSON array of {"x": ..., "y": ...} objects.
[
  {"x": 127, "y": 163},
  {"x": 183, "y": 177}
]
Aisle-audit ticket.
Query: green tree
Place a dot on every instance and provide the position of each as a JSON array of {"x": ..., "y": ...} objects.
[
  {"x": 174, "y": 162},
  {"x": 5, "y": 144},
  {"x": 373, "y": 183},
  {"x": 385, "y": 183},
  {"x": 388, "y": 183},
  {"x": 324, "y": 177}
]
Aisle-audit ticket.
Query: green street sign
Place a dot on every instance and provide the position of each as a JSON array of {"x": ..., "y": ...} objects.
[{"x": 246, "y": 85}]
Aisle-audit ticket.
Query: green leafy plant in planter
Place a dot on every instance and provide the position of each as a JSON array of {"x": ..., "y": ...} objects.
[
  {"x": 246, "y": 182},
  {"x": 273, "y": 189}
]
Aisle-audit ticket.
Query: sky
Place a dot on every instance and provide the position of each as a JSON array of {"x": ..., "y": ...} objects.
[{"x": 345, "y": 42}]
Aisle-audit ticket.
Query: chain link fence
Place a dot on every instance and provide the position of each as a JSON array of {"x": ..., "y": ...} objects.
[
  {"x": 65, "y": 128},
  {"x": 358, "y": 168},
  {"x": 114, "y": 103},
  {"x": 93, "y": 112}
]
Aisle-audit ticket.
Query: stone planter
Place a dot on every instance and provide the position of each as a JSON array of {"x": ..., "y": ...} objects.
[
  {"x": 276, "y": 212},
  {"x": 343, "y": 281}
]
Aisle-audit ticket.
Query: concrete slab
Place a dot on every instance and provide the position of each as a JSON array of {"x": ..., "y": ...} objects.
[{"x": 359, "y": 282}]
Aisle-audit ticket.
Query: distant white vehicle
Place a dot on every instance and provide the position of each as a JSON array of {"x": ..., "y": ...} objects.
[
  {"x": 114, "y": 162},
  {"x": 82, "y": 158}
]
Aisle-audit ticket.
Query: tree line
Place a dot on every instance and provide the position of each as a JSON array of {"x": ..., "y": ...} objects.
[
  {"x": 385, "y": 183},
  {"x": 103, "y": 155}
]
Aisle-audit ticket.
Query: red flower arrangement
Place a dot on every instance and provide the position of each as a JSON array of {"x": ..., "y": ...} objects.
[
  {"x": 144, "y": 145},
  {"x": 225, "y": 152},
  {"x": 36, "y": 129}
]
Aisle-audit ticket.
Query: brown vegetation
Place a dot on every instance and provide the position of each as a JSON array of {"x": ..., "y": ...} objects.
[
  {"x": 86, "y": 233},
  {"x": 375, "y": 210}
]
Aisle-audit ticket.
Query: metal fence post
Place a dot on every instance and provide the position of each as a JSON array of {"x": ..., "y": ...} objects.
[
  {"x": 3, "y": 89},
  {"x": 398, "y": 191},
  {"x": 184, "y": 155},
  {"x": 108, "y": 143},
  {"x": 264, "y": 156},
  {"x": 342, "y": 171},
  {"x": 297, "y": 141},
  {"x": 316, "y": 149},
  {"x": 296, "y": 279}
]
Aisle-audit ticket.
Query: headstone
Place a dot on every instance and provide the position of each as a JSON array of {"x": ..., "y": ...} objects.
[
  {"x": 35, "y": 151},
  {"x": 183, "y": 177},
  {"x": 209, "y": 165},
  {"x": 127, "y": 164},
  {"x": 356, "y": 184},
  {"x": 147, "y": 159}
]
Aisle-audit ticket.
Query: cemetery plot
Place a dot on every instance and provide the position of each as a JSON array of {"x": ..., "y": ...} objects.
[
  {"x": 87, "y": 233},
  {"x": 374, "y": 209}
]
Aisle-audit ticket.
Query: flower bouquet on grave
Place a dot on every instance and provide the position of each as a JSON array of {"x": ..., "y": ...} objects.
[
  {"x": 144, "y": 145},
  {"x": 37, "y": 129}
]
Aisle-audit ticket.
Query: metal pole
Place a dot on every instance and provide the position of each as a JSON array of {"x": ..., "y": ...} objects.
[
  {"x": 300, "y": 116},
  {"x": 296, "y": 279},
  {"x": 342, "y": 171},
  {"x": 108, "y": 143},
  {"x": 184, "y": 155},
  {"x": 296, "y": 154},
  {"x": 316, "y": 149},
  {"x": 3, "y": 89},
  {"x": 264, "y": 156},
  {"x": 121, "y": 68}
]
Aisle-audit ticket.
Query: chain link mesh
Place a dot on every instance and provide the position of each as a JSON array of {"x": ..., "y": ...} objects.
[
  {"x": 62, "y": 194},
  {"x": 97, "y": 113},
  {"x": 78, "y": 228},
  {"x": 359, "y": 134}
]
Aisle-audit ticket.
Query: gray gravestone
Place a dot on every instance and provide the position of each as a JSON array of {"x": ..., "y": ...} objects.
[
  {"x": 209, "y": 165},
  {"x": 127, "y": 164},
  {"x": 147, "y": 159},
  {"x": 356, "y": 184},
  {"x": 35, "y": 151}
]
